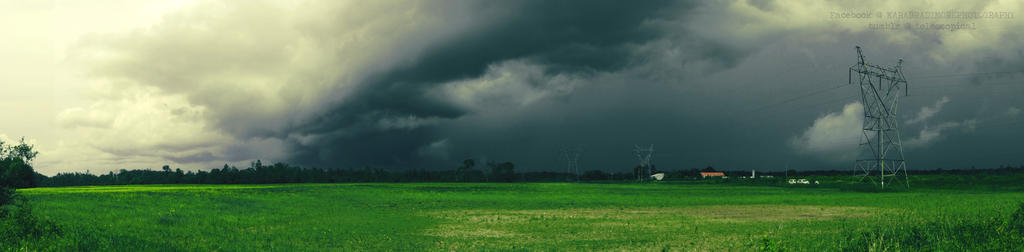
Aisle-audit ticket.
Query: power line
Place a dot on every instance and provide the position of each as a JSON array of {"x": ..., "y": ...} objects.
[
  {"x": 813, "y": 93},
  {"x": 816, "y": 92},
  {"x": 963, "y": 74}
]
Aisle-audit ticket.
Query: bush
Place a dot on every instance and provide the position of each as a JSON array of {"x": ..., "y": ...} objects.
[
  {"x": 6, "y": 196},
  {"x": 20, "y": 229}
]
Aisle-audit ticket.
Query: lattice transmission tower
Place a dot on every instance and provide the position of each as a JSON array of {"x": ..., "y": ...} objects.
[
  {"x": 572, "y": 158},
  {"x": 643, "y": 154},
  {"x": 881, "y": 150}
]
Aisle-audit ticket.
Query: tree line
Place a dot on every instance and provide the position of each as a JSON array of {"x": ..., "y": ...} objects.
[
  {"x": 468, "y": 171},
  {"x": 259, "y": 173}
]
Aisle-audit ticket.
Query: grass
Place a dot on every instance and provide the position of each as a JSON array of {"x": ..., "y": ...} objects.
[{"x": 518, "y": 216}]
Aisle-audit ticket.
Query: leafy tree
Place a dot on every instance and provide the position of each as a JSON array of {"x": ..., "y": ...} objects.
[
  {"x": 6, "y": 195},
  {"x": 17, "y": 224},
  {"x": 15, "y": 165},
  {"x": 17, "y": 174}
]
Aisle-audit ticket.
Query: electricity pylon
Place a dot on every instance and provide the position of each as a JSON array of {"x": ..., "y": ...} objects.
[
  {"x": 881, "y": 149},
  {"x": 643, "y": 154},
  {"x": 572, "y": 158}
]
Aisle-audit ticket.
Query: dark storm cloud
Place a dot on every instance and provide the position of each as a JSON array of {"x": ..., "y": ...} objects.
[
  {"x": 564, "y": 36},
  {"x": 585, "y": 34}
]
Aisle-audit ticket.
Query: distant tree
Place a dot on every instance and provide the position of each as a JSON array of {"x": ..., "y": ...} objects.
[
  {"x": 693, "y": 173},
  {"x": 502, "y": 172},
  {"x": 708, "y": 169},
  {"x": 463, "y": 171},
  {"x": 179, "y": 176},
  {"x": 595, "y": 175}
]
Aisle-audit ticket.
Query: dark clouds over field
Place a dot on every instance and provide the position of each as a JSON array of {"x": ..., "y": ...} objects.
[{"x": 734, "y": 84}]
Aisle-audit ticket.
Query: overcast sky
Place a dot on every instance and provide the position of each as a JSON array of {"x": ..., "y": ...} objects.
[{"x": 106, "y": 85}]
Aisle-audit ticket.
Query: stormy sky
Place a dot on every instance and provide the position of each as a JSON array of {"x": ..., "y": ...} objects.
[{"x": 106, "y": 85}]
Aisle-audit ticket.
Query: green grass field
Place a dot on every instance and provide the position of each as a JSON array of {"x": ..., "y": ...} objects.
[{"x": 515, "y": 216}]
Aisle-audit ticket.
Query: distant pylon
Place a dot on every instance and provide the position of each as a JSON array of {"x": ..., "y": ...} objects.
[
  {"x": 881, "y": 149},
  {"x": 572, "y": 158},
  {"x": 643, "y": 154}
]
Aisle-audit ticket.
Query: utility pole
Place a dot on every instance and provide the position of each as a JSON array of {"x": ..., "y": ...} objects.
[
  {"x": 572, "y": 158},
  {"x": 643, "y": 154},
  {"x": 881, "y": 148}
]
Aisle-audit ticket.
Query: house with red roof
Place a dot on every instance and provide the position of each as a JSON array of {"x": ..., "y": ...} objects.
[{"x": 712, "y": 174}]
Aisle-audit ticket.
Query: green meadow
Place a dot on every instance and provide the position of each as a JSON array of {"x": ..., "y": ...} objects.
[{"x": 521, "y": 217}]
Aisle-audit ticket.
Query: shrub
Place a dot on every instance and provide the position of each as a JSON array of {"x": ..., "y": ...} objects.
[{"x": 19, "y": 228}]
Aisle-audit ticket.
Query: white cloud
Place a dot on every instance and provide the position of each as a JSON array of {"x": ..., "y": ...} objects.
[
  {"x": 835, "y": 136},
  {"x": 1013, "y": 111},
  {"x": 930, "y": 134},
  {"x": 509, "y": 84},
  {"x": 145, "y": 127},
  {"x": 142, "y": 120},
  {"x": 927, "y": 112},
  {"x": 81, "y": 117}
]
